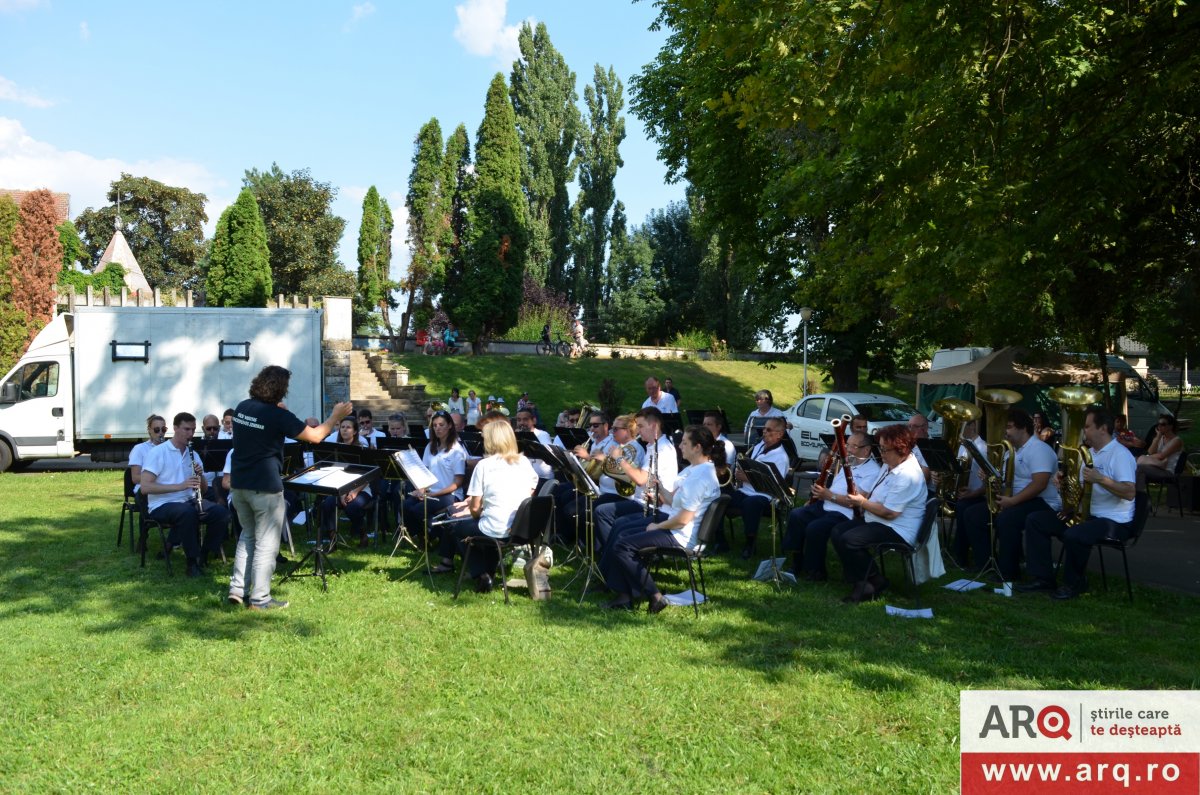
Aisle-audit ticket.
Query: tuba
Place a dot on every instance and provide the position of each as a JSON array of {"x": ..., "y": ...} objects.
[
  {"x": 1072, "y": 455},
  {"x": 613, "y": 469},
  {"x": 1000, "y": 453},
  {"x": 955, "y": 414}
]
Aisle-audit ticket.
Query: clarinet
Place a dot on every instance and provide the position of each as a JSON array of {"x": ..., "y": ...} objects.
[
  {"x": 652, "y": 493},
  {"x": 198, "y": 492}
]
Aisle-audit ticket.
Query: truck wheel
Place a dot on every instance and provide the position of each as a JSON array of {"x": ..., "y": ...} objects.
[{"x": 6, "y": 457}]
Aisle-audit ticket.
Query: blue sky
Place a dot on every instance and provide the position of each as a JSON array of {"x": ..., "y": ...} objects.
[{"x": 195, "y": 94}]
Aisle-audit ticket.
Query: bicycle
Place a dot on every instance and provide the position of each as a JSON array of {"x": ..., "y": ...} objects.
[{"x": 546, "y": 348}]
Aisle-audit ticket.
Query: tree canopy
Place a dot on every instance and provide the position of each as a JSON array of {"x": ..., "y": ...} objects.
[{"x": 239, "y": 270}]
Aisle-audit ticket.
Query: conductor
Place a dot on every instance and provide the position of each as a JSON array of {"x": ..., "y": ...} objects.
[{"x": 260, "y": 424}]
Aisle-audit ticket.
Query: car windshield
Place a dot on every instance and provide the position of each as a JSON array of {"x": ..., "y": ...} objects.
[{"x": 886, "y": 412}]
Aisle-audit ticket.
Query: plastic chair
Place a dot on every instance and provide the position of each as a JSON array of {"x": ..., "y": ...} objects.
[
  {"x": 694, "y": 557},
  {"x": 933, "y": 507},
  {"x": 1166, "y": 480},
  {"x": 530, "y": 526},
  {"x": 143, "y": 537}
]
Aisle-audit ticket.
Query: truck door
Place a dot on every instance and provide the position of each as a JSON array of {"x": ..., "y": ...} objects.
[{"x": 35, "y": 410}]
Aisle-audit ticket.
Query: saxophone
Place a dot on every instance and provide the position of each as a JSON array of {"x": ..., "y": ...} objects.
[{"x": 1072, "y": 455}]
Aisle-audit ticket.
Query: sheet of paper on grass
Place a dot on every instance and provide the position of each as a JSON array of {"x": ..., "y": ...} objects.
[
  {"x": 684, "y": 598},
  {"x": 964, "y": 585},
  {"x": 924, "y": 612},
  {"x": 767, "y": 571}
]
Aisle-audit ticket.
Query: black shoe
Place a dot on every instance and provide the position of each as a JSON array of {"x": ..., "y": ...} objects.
[
  {"x": 1067, "y": 592},
  {"x": 620, "y": 603},
  {"x": 483, "y": 583},
  {"x": 878, "y": 584},
  {"x": 863, "y": 592},
  {"x": 193, "y": 569},
  {"x": 658, "y": 605},
  {"x": 1034, "y": 585}
]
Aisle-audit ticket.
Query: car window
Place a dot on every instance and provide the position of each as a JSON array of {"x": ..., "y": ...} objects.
[
  {"x": 886, "y": 412},
  {"x": 36, "y": 380},
  {"x": 811, "y": 409},
  {"x": 836, "y": 409}
]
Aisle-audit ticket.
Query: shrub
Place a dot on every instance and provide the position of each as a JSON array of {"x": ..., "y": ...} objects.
[
  {"x": 694, "y": 340},
  {"x": 538, "y": 305}
]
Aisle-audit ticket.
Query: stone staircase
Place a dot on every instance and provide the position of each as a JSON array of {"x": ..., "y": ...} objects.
[{"x": 378, "y": 384}]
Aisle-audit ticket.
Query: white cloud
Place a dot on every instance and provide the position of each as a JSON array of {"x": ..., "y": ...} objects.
[
  {"x": 12, "y": 6},
  {"x": 28, "y": 164},
  {"x": 357, "y": 13},
  {"x": 481, "y": 30},
  {"x": 13, "y": 93},
  {"x": 85, "y": 33}
]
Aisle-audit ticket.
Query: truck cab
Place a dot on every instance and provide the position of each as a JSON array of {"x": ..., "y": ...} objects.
[{"x": 36, "y": 404}]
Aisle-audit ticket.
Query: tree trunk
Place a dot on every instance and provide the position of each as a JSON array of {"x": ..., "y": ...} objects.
[{"x": 845, "y": 375}]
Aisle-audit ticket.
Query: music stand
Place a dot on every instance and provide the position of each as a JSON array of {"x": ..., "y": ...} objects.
[
  {"x": 572, "y": 437},
  {"x": 418, "y": 475},
  {"x": 328, "y": 479},
  {"x": 763, "y": 478},
  {"x": 993, "y": 478},
  {"x": 587, "y": 487}
]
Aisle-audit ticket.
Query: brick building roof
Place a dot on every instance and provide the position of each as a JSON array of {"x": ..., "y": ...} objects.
[{"x": 62, "y": 201}]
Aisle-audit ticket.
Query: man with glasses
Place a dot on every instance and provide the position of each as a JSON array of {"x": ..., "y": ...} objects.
[
  {"x": 659, "y": 465},
  {"x": 1112, "y": 477},
  {"x": 1034, "y": 465},
  {"x": 526, "y": 422},
  {"x": 809, "y": 528},
  {"x": 753, "y": 503},
  {"x": 658, "y": 399},
  {"x": 601, "y": 443},
  {"x": 367, "y": 430},
  {"x": 211, "y": 426}
]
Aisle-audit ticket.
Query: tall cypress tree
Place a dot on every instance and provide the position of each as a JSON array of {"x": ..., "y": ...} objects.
[
  {"x": 599, "y": 158},
  {"x": 459, "y": 177},
  {"x": 239, "y": 269},
  {"x": 373, "y": 286},
  {"x": 543, "y": 96},
  {"x": 425, "y": 222},
  {"x": 497, "y": 233}
]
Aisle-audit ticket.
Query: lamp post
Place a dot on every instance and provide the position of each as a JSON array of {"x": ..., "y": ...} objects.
[{"x": 805, "y": 316}]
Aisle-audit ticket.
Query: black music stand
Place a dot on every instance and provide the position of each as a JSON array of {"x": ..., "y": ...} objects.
[
  {"x": 328, "y": 479},
  {"x": 587, "y": 487},
  {"x": 572, "y": 437},
  {"x": 994, "y": 479},
  {"x": 763, "y": 478}
]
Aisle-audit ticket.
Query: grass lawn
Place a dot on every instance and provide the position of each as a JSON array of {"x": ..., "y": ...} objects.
[
  {"x": 555, "y": 382},
  {"x": 116, "y": 678}
]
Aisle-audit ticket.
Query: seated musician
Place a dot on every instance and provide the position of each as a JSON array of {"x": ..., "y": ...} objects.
[
  {"x": 366, "y": 428},
  {"x": 677, "y": 526},
  {"x": 659, "y": 469},
  {"x": 500, "y": 483},
  {"x": 172, "y": 475},
  {"x": 753, "y": 503},
  {"x": 447, "y": 459},
  {"x": 353, "y": 503},
  {"x": 918, "y": 425},
  {"x": 970, "y": 494},
  {"x": 526, "y": 422},
  {"x": 808, "y": 528},
  {"x": 568, "y": 503},
  {"x": 1033, "y": 491},
  {"x": 656, "y": 398},
  {"x": 715, "y": 422},
  {"x": 1112, "y": 480},
  {"x": 156, "y": 428},
  {"x": 892, "y": 511}
]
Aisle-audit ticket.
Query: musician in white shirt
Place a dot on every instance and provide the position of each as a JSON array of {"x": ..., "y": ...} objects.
[
  {"x": 751, "y": 503},
  {"x": 809, "y": 528},
  {"x": 660, "y": 467},
  {"x": 656, "y": 398}
]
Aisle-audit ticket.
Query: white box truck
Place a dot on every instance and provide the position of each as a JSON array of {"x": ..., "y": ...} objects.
[{"x": 91, "y": 377}]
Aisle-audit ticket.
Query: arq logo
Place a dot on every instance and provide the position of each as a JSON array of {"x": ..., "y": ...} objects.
[{"x": 1053, "y": 722}]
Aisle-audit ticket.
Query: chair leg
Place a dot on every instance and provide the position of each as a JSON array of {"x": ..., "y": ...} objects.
[
  {"x": 692, "y": 579},
  {"x": 703, "y": 587},
  {"x": 912, "y": 576},
  {"x": 121, "y": 524},
  {"x": 162, "y": 533},
  {"x": 503, "y": 575},
  {"x": 466, "y": 559},
  {"x": 1128, "y": 583}
]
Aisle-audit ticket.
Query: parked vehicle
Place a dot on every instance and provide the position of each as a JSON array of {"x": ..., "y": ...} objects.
[
  {"x": 91, "y": 377},
  {"x": 814, "y": 415}
]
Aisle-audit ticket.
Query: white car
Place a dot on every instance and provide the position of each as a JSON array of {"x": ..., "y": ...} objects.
[{"x": 814, "y": 416}]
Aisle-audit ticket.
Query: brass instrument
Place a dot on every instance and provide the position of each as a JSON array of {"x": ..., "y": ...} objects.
[
  {"x": 1072, "y": 455},
  {"x": 586, "y": 410},
  {"x": 1000, "y": 452},
  {"x": 955, "y": 414},
  {"x": 612, "y": 468}
]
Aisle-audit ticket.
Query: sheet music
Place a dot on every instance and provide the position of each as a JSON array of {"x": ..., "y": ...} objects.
[
  {"x": 332, "y": 477},
  {"x": 414, "y": 469}
]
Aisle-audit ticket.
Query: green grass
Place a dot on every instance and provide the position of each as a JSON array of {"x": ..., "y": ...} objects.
[
  {"x": 117, "y": 678},
  {"x": 556, "y": 382}
]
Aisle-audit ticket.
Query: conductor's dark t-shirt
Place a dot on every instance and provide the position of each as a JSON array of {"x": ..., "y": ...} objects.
[{"x": 258, "y": 432}]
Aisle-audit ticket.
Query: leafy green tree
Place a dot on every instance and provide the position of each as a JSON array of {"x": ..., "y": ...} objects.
[
  {"x": 427, "y": 201},
  {"x": 14, "y": 324},
  {"x": 72, "y": 246},
  {"x": 543, "y": 97},
  {"x": 112, "y": 277},
  {"x": 163, "y": 225},
  {"x": 634, "y": 306},
  {"x": 459, "y": 177},
  {"x": 239, "y": 270},
  {"x": 598, "y": 149},
  {"x": 302, "y": 232},
  {"x": 497, "y": 231},
  {"x": 374, "y": 262}
]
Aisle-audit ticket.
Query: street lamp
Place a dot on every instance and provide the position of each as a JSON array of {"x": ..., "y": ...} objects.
[{"x": 805, "y": 316}]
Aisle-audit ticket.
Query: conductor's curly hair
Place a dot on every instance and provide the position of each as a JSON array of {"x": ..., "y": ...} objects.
[{"x": 271, "y": 384}]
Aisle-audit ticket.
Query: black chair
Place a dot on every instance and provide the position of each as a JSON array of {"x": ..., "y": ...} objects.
[
  {"x": 1141, "y": 512},
  {"x": 143, "y": 536},
  {"x": 695, "y": 556},
  {"x": 1166, "y": 480},
  {"x": 933, "y": 507},
  {"x": 129, "y": 507},
  {"x": 531, "y": 526}
]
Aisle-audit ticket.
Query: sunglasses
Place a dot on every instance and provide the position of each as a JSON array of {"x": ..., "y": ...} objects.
[
  {"x": 212, "y": 427},
  {"x": 158, "y": 430},
  {"x": 365, "y": 422},
  {"x": 595, "y": 424}
]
